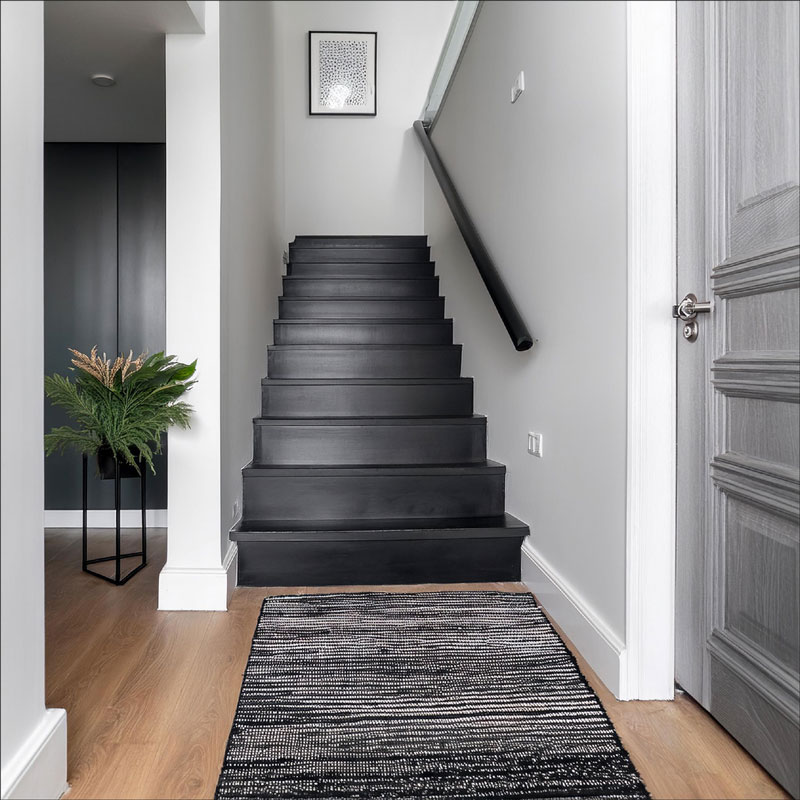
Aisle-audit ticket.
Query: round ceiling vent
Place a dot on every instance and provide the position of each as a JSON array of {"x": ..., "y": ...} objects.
[{"x": 103, "y": 80}]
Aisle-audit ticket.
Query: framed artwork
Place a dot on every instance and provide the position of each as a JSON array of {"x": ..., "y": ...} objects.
[{"x": 342, "y": 73}]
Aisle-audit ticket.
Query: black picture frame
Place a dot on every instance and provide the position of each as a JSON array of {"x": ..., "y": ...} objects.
[{"x": 318, "y": 111}]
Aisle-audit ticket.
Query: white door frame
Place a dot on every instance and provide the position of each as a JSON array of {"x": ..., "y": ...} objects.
[{"x": 648, "y": 668}]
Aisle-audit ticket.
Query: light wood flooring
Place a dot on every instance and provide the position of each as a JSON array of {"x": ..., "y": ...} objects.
[{"x": 150, "y": 695}]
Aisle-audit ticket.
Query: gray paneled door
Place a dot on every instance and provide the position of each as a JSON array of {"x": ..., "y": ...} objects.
[
  {"x": 104, "y": 282},
  {"x": 738, "y": 560}
]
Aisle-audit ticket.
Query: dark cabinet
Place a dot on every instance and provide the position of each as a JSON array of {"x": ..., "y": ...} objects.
[{"x": 104, "y": 280}]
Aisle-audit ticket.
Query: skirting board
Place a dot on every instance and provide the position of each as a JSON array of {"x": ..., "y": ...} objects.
[
  {"x": 198, "y": 588},
  {"x": 105, "y": 518},
  {"x": 600, "y": 646},
  {"x": 39, "y": 768}
]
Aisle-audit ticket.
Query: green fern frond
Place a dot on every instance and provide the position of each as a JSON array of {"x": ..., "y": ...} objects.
[{"x": 129, "y": 415}]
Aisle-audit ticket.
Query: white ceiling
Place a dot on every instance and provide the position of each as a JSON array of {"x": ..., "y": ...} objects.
[{"x": 123, "y": 38}]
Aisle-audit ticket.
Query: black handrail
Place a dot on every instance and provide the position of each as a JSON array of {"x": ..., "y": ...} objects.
[{"x": 506, "y": 308}]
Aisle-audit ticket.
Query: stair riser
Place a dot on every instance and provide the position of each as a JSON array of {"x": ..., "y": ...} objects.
[
  {"x": 359, "y": 241},
  {"x": 354, "y": 269},
  {"x": 414, "y": 362},
  {"x": 422, "y": 332},
  {"x": 360, "y": 287},
  {"x": 313, "y": 445},
  {"x": 295, "y": 308},
  {"x": 371, "y": 562},
  {"x": 373, "y": 497},
  {"x": 306, "y": 255},
  {"x": 370, "y": 400}
]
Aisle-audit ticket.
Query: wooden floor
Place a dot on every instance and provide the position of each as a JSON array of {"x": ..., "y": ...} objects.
[{"x": 150, "y": 695}]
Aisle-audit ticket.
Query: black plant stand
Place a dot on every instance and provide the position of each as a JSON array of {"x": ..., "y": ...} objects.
[{"x": 117, "y": 580}]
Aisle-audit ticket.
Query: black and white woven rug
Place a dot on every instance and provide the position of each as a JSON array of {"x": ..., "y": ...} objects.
[{"x": 434, "y": 695}]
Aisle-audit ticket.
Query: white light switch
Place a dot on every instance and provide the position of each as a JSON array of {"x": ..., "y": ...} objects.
[
  {"x": 535, "y": 444},
  {"x": 518, "y": 88}
]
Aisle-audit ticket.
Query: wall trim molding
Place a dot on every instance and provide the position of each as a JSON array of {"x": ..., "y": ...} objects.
[
  {"x": 198, "y": 588},
  {"x": 104, "y": 518},
  {"x": 39, "y": 767},
  {"x": 652, "y": 281},
  {"x": 597, "y": 643}
]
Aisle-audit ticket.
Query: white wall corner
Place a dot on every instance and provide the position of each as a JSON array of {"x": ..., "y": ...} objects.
[
  {"x": 38, "y": 770},
  {"x": 198, "y": 588},
  {"x": 596, "y": 642},
  {"x": 198, "y": 9},
  {"x": 650, "y": 545}
]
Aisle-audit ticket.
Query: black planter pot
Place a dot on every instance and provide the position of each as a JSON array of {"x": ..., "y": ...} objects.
[{"x": 106, "y": 465}]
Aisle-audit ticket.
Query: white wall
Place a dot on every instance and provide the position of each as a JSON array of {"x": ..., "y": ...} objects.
[
  {"x": 33, "y": 747},
  {"x": 195, "y": 576},
  {"x": 360, "y": 175},
  {"x": 252, "y": 242},
  {"x": 545, "y": 180}
]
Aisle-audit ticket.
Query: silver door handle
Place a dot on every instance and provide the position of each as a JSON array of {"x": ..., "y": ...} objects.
[{"x": 690, "y": 307}]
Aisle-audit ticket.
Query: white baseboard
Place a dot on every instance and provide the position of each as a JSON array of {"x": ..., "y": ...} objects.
[
  {"x": 105, "y": 518},
  {"x": 198, "y": 588},
  {"x": 600, "y": 646},
  {"x": 38, "y": 770}
]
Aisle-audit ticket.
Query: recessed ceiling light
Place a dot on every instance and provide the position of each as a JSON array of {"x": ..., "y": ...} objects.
[{"x": 103, "y": 80}]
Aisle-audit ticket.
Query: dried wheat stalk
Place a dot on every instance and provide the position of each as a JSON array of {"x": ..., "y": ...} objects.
[{"x": 103, "y": 369}]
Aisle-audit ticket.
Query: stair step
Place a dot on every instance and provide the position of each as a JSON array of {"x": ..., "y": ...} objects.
[
  {"x": 411, "y": 269},
  {"x": 378, "y": 492},
  {"x": 372, "y": 253},
  {"x": 361, "y": 308},
  {"x": 363, "y": 331},
  {"x": 364, "y": 361},
  {"x": 369, "y": 466},
  {"x": 344, "y": 530},
  {"x": 360, "y": 241},
  {"x": 361, "y": 441},
  {"x": 306, "y": 286},
  {"x": 396, "y": 551},
  {"x": 366, "y": 397}
]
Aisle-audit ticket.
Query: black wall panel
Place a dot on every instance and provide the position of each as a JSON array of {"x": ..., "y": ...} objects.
[{"x": 104, "y": 281}]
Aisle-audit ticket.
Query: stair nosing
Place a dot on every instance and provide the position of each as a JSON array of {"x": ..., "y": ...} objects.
[
  {"x": 374, "y": 470},
  {"x": 328, "y": 347},
  {"x": 478, "y": 420},
  {"x": 365, "y": 320},
  {"x": 363, "y": 237},
  {"x": 365, "y": 381},
  {"x": 501, "y": 526},
  {"x": 357, "y": 263},
  {"x": 359, "y": 298},
  {"x": 359, "y": 277}
]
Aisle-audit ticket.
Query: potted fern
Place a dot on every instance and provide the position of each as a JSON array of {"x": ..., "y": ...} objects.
[{"x": 121, "y": 408}]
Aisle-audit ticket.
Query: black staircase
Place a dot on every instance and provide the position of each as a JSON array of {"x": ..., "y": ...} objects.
[{"x": 368, "y": 464}]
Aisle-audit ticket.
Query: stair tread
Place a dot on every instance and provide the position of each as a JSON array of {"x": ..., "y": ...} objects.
[
  {"x": 361, "y": 298},
  {"x": 356, "y": 470},
  {"x": 474, "y": 419},
  {"x": 435, "y": 527},
  {"x": 362, "y": 346},
  {"x": 359, "y": 263},
  {"x": 364, "y": 381},
  {"x": 387, "y": 240},
  {"x": 362, "y": 321},
  {"x": 345, "y": 278}
]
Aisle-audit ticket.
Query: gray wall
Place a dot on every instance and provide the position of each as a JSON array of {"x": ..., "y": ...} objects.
[
  {"x": 104, "y": 272},
  {"x": 545, "y": 180},
  {"x": 360, "y": 175}
]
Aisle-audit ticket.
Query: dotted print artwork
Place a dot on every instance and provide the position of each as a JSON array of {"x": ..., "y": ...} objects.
[{"x": 342, "y": 73}]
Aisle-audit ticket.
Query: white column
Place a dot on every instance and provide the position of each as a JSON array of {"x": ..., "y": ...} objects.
[
  {"x": 197, "y": 575},
  {"x": 33, "y": 744}
]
